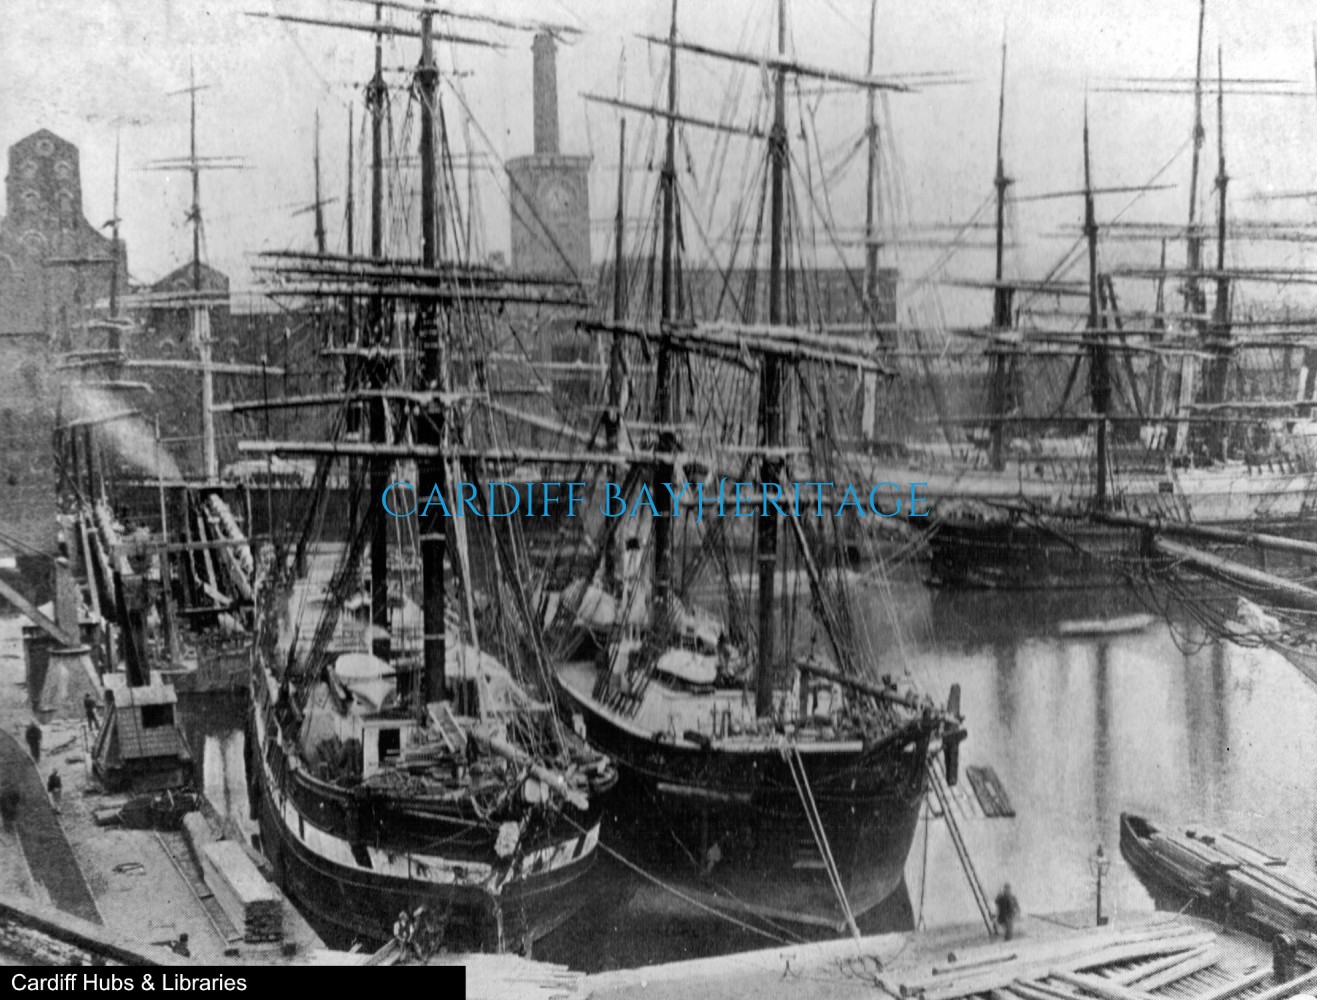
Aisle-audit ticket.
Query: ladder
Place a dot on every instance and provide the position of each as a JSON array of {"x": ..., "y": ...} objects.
[
  {"x": 451, "y": 733},
  {"x": 936, "y": 782}
]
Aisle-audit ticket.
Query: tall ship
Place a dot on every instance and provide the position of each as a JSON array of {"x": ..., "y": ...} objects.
[
  {"x": 404, "y": 754},
  {"x": 1088, "y": 421},
  {"x": 769, "y": 749}
]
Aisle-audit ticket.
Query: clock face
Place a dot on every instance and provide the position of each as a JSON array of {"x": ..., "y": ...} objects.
[
  {"x": 557, "y": 197},
  {"x": 63, "y": 170},
  {"x": 29, "y": 169},
  {"x": 45, "y": 147}
]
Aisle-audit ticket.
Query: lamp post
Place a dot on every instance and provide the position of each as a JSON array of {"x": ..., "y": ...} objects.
[{"x": 1098, "y": 865}]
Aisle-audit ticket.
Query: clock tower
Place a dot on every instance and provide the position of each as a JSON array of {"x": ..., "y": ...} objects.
[
  {"x": 550, "y": 193},
  {"x": 55, "y": 270}
]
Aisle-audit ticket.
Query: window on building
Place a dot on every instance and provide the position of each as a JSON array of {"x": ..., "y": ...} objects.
[{"x": 155, "y": 716}]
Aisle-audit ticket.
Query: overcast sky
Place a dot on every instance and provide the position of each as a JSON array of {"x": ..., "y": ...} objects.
[{"x": 86, "y": 68}]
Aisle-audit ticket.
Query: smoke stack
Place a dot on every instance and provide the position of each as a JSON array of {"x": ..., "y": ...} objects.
[{"x": 546, "y": 95}]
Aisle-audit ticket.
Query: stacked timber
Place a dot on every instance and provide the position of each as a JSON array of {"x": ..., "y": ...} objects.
[
  {"x": 1031, "y": 970},
  {"x": 198, "y": 834},
  {"x": 1131, "y": 963},
  {"x": 254, "y": 906},
  {"x": 1227, "y": 880}
]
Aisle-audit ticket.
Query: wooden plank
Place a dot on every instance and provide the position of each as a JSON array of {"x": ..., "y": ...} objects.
[
  {"x": 1089, "y": 952},
  {"x": 238, "y": 873},
  {"x": 1129, "y": 976},
  {"x": 1195, "y": 962},
  {"x": 941, "y": 970},
  {"x": 30, "y": 610},
  {"x": 247, "y": 899},
  {"x": 1099, "y": 987},
  {"x": 1046, "y": 953},
  {"x": 1238, "y": 985}
]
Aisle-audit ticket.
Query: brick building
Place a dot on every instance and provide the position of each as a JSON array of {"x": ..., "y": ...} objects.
[{"x": 54, "y": 267}]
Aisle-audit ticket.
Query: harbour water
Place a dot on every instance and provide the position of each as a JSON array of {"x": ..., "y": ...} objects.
[{"x": 1078, "y": 730}]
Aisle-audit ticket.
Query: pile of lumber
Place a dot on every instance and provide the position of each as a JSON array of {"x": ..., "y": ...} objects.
[
  {"x": 1110, "y": 964},
  {"x": 254, "y": 906},
  {"x": 198, "y": 833},
  {"x": 1264, "y": 898},
  {"x": 510, "y": 977}
]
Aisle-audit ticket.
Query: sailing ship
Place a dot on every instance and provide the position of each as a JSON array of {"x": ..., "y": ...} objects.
[
  {"x": 786, "y": 777},
  {"x": 400, "y": 758},
  {"x": 1186, "y": 422},
  {"x": 134, "y": 494}
]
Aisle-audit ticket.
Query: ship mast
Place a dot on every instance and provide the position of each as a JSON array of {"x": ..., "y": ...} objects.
[
  {"x": 872, "y": 246},
  {"x": 319, "y": 202},
  {"x": 350, "y": 204},
  {"x": 117, "y": 257},
  {"x": 349, "y": 220},
  {"x": 381, "y": 646},
  {"x": 1001, "y": 295},
  {"x": 1194, "y": 303},
  {"x": 430, "y": 430},
  {"x": 114, "y": 341},
  {"x": 666, "y": 414},
  {"x": 613, "y": 564},
  {"x": 1221, "y": 312},
  {"x": 619, "y": 248},
  {"x": 200, "y": 313},
  {"x": 1099, "y": 376},
  {"x": 770, "y": 385}
]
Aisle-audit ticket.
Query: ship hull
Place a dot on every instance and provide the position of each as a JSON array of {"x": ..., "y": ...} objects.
[
  {"x": 351, "y": 869},
  {"x": 1067, "y": 554},
  {"x": 1011, "y": 555},
  {"x": 347, "y": 904},
  {"x": 732, "y": 826}
]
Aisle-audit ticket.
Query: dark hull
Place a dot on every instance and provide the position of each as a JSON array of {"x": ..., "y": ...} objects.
[
  {"x": 1220, "y": 892},
  {"x": 346, "y": 905},
  {"x": 732, "y": 826},
  {"x": 1066, "y": 554},
  {"x": 1167, "y": 891},
  {"x": 351, "y": 866},
  {"x": 1011, "y": 555}
]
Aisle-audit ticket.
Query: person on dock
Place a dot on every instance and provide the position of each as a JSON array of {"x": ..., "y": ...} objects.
[
  {"x": 1008, "y": 910},
  {"x": 33, "y": 736},
  {"x": 10, "y": 797},
  {"x": 404, "y": 929},
  {"x": 55, "y": 788},
  {"x": 89, "y": 706}
]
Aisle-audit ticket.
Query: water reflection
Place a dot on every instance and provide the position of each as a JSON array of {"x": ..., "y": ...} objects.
[
  {"x": 1078, "y": 729},
  {"x": 1082, "y": 729}
]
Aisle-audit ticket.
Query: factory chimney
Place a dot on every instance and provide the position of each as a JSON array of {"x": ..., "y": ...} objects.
[{"x": 546, "y": 94}]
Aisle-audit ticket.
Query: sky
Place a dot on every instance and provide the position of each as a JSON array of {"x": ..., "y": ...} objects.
[{"x": 93, "y": 69}]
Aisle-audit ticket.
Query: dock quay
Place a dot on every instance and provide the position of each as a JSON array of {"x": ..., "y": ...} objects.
[
  {"x": 1143, "y": 958},
  {"x": 62, "y": 873}
]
